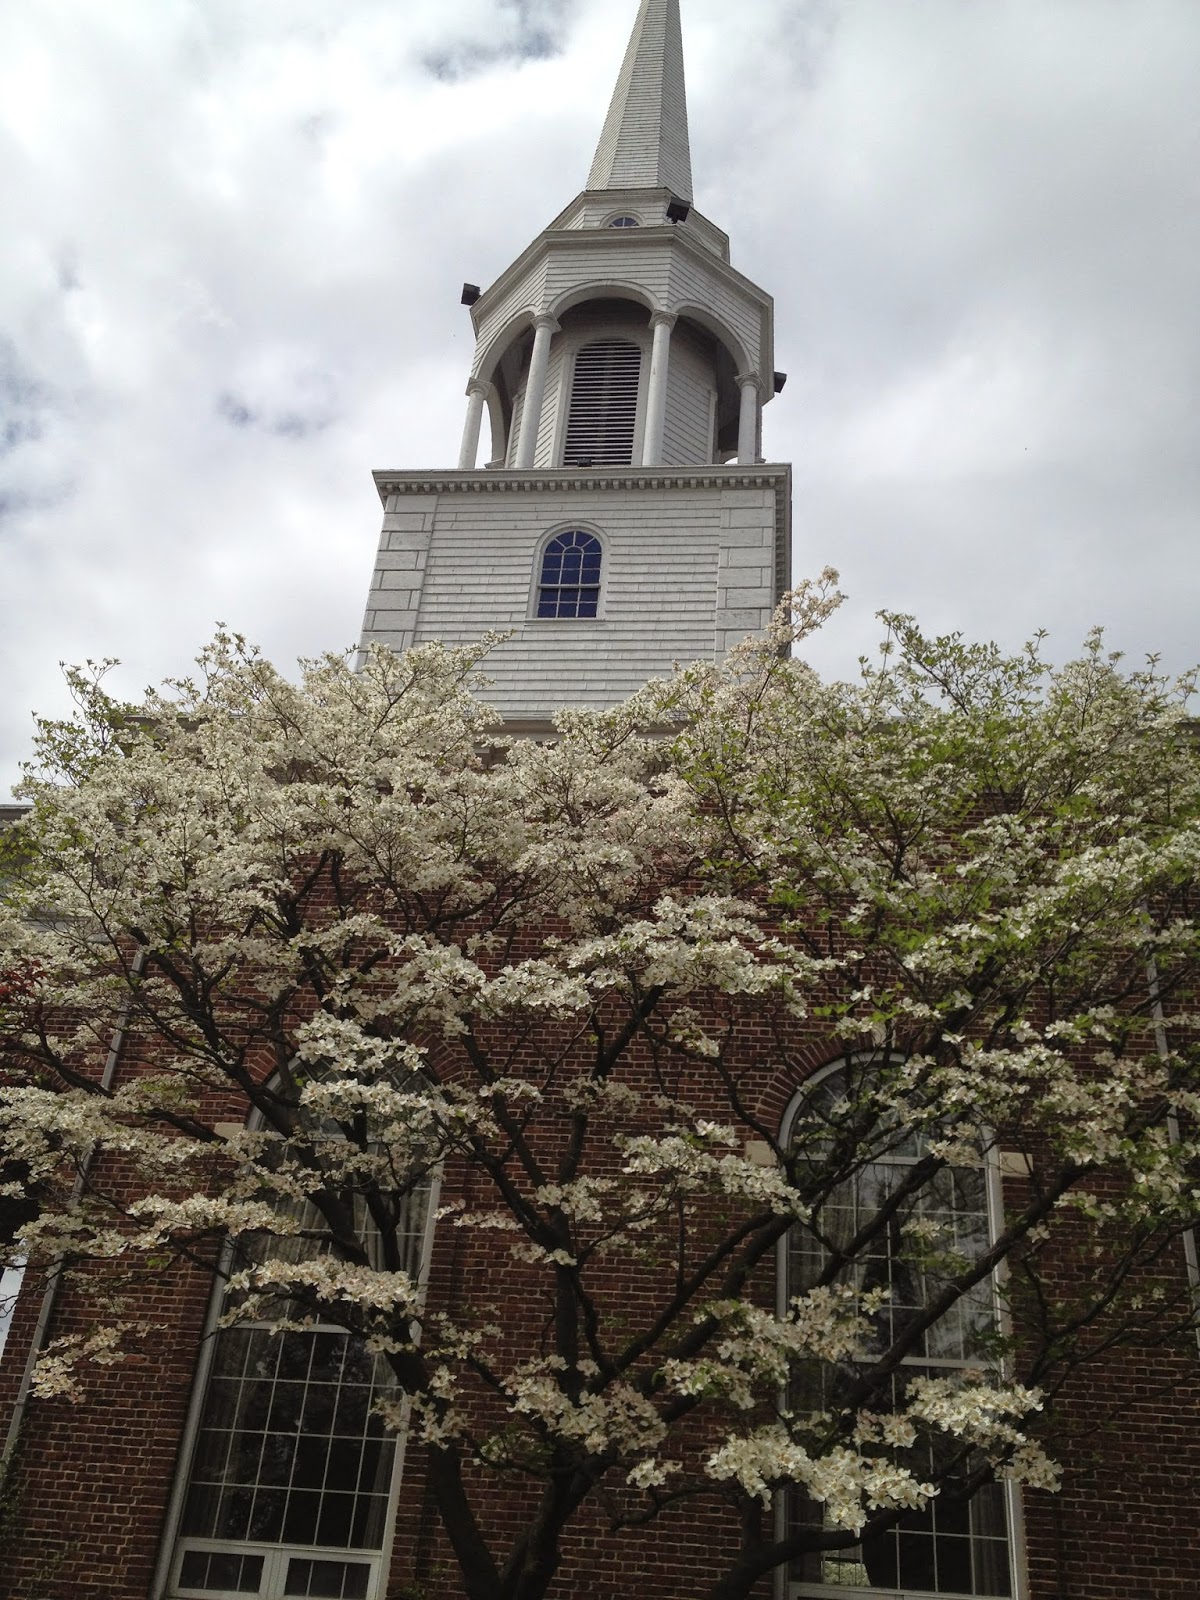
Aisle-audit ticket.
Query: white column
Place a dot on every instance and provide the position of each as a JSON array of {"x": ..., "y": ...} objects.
[
  {"x": 535, "y": 389},
  {"x": 656, "y": 399},
  {"x": 748, "y": 421},
  {"x": 477, "y": 392}
]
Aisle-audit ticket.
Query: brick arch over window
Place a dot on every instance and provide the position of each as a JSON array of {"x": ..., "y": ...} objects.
[
  {"x": 569, "y": 572},
  {"x": 955, "y": 1547},
  {"x": 289, "y": 1476},
  {"x": 602, "y": 418}
]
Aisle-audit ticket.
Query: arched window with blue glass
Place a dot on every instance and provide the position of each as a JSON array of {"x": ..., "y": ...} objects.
[{"x": 569, "y": 579}]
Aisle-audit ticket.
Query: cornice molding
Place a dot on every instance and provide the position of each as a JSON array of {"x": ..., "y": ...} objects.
[{"x": 770, "y": 475}]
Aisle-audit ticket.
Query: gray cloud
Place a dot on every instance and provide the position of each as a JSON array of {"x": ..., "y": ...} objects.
[
  {"x": 519, "y": 30},
  {"x": 22, "y": 401},
  {"x": 234, "y": 238}
]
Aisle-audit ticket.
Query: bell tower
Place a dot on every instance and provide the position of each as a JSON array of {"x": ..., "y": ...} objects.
[{"x": 624, "y": 519}]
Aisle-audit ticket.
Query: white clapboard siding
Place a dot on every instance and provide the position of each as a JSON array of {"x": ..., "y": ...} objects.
[
  {"x": 691, "y": 384},
  {"x": 688, "y": 569},
  {"x": 526, "y": 293},
  {"x": 647, "y": 265},
  {"x": 694, "y": 283}
]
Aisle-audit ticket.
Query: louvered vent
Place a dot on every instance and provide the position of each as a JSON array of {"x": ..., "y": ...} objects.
[{"x": 604, "y": 397}]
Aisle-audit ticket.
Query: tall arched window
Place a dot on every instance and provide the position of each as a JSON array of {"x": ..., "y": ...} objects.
[
  {"x": 569, "y": 580},
  {"x": 288, "y": 1486},
  {"x": 960, "y": 1544},
  {"x": 604, "y": 401}
]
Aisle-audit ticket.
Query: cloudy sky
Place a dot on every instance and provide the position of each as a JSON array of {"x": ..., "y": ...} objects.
[{"x": 234, "y": 233}]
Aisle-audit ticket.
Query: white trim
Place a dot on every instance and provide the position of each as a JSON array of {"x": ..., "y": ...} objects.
[
  {"x": 276, "y": 1562},
  {"x": 836, "y": 1591}
]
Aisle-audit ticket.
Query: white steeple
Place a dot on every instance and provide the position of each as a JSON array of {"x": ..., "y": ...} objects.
[
  {"x": 644, "y": 144},
  {"x": 625, "y": 519}
]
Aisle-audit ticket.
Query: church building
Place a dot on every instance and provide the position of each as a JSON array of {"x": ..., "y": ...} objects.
[{"x": 611, "y": 514}]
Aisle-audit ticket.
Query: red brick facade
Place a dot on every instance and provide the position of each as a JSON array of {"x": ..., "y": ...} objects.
[{"x": 86, "y": 1505}]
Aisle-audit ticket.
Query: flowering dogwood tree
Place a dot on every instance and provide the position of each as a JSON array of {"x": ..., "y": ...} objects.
[{"x": 815, "y": 1059}]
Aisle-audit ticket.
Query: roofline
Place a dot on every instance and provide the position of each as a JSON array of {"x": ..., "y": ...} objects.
[{"x": 501, "y": 480}]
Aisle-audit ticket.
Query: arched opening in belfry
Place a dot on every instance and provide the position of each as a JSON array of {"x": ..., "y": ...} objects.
[{"x": 593, "y": 410}]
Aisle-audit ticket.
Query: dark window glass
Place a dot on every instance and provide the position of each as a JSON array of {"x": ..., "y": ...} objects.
[
  {"x": 287, "y": 1450},
  {"x": 293, "y": 1457},
  {"x": 331, "y": 1580},
  {"x": 216, "y": 1569},
  {"x": 954, "y": 1546},
  {"x": 569, "y": 585}
]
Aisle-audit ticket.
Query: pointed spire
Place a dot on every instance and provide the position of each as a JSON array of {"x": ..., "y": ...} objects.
[{"x": 645, "y": 140}]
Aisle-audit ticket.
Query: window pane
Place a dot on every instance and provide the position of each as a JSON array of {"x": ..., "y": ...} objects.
[
  {"x": 370, "y": 1512},
  {"x": 312, "y": 1456},
  {"x": 326, "y": 1579},
  {"x": 954, "y": 1565},
  {"x": 212, "y": 1451},
  {"x": 229, "y": 1357},
  {"x": 303, "y": 1510},
  {"x": 266, "y": 1520},
  {"x": 336, "y": 1580},
  {"x": 203, "y": 1569},
  {"x": 345, "y": 1457},
  {"x": 354, "y": 1586},
  {"x": 298, "y": 1575},
  {"x": 234, "y": 1513},
  {"x": 336, "y": 1519}
]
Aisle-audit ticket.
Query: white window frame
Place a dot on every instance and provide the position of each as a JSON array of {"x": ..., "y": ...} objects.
[
  {"x": 175, "y": 1545},
  {"x": 786, "y": 1588},
  {"x": 276, "y": 1561}
]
